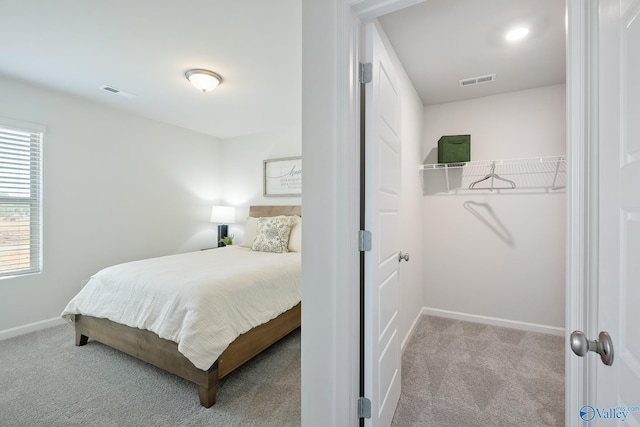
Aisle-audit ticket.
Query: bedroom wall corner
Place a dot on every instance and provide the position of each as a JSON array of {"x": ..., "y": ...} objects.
[
  {"x": 117, "y": 187},
  {"x": 242, "y": 171}
]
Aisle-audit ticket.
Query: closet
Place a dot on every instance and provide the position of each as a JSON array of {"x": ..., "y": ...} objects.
[{"x": 493, "y": 228}]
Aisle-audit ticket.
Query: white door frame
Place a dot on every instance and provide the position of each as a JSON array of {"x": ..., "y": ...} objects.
[
  {"x": 582, "y": 202},
  {"x": 330, "y": 133}
]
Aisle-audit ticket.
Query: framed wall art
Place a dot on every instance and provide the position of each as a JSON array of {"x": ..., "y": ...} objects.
[{"x": 282, "y": 177}]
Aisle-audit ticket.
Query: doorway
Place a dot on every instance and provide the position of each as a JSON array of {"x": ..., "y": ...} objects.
[
  {"x": 495, "y": 236},
  {"x": 330, "y": 129}
]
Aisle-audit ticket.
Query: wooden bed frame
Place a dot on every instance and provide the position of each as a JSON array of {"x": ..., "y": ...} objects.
[{"x": 149, "y": 347}]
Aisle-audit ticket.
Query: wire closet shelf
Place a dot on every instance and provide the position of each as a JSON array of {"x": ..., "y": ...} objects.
[{"x": 536, "y": 173}]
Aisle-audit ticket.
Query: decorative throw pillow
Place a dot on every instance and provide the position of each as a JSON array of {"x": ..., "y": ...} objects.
[
  {"x": 249, "y": 232},
  {"x": 295, "y": 238},
  {"x": 272, "y": 234}
]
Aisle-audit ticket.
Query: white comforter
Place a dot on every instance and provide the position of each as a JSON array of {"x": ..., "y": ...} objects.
[{"x": 201, "y": 300}]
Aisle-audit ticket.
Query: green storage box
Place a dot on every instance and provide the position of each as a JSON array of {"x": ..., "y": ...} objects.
[{"x": 454, "y": 149}]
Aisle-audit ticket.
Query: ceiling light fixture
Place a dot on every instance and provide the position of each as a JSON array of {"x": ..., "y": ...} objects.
[
  {"x": 203, "y": 80},
  {"x": 517, "y": 34}
]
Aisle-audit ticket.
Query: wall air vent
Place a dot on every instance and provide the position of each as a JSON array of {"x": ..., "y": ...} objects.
[
  {"x": 477, "y": 80},
  {"x": 112, "y": 89}
]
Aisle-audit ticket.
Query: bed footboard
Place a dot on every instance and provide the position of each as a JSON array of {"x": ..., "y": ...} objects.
[{"x": 149, "y": 347}]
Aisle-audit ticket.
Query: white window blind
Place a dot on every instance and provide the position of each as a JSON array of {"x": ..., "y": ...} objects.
[{"x": 20, "y": 201}]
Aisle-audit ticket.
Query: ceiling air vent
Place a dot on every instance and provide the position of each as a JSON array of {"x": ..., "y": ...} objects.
[
  {"x": 117, "y": 91},
  {"x": 477, "y": 80}
]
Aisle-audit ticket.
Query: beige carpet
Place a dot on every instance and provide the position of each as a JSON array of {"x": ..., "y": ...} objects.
[
  {"x": 46, "y": 381},
  {"x": 457, "y": 373},
  {"x": 454, "y": 374}
]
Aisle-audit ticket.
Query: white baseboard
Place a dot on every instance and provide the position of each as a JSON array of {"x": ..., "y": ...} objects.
[
  {"x": 407, "y": 337},
  {"x": 494, "y": 321},
  {"x": 31, "y": 327}
]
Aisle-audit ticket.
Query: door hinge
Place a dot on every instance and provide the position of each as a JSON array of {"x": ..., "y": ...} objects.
[
  {"x": 364, "y": 407},
  {"x": 364, "y": 240},
  {"x": 366, "y": 72}
]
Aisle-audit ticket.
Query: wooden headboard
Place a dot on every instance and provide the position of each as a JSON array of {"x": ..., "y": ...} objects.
[{"x": 260, "y": 211}]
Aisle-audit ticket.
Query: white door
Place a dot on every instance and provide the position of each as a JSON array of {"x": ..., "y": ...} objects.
[
  {"x": 619, "y": 279},
  {"x": 382, "y": 191},
  {"x": 617, "y": 387}
]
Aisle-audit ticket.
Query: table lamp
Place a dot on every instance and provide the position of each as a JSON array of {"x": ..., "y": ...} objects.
[{"x": 223, "y": 215}]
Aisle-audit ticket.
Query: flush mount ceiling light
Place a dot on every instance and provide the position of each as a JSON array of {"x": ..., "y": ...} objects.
[
  {"x": 203, "y": 80},
  {"x": 517, "y": 34}
]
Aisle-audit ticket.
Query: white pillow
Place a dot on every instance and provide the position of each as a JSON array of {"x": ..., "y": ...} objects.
[
  {"x": 249, "y": 232},
  {"x": 295, "y": 237},
  {"x": 272, "y": 234}
]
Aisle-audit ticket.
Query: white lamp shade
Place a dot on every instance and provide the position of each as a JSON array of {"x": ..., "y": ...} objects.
[
  {"x": 223, "y": 214},
  {"x": 203, "y": 80}
]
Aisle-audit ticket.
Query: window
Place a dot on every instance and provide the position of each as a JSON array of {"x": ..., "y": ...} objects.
[{"x": 20, "y": 202}]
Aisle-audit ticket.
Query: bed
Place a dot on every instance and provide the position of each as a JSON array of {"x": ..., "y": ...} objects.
[{"x": 197, "y": 357}]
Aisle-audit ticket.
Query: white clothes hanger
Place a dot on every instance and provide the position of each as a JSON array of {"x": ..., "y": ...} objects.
[{"x": 491, "y": 175}]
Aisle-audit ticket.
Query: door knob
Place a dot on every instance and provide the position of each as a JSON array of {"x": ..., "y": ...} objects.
[
  {"x": 402, "y": 256},
  {"x": 603, "y": 346}
]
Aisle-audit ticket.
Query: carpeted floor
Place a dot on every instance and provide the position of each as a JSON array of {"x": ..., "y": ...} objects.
[
  {"x": 457, "y": 373},
  {"x": 454, "y": 373},
  {"x": 47, "y": 381}
]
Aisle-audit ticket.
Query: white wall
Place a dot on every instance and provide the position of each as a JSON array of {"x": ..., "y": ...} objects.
[
  {"x": 410, "y": 232},
  {"x": 330, "y": 135},
  {"x": 518, "y": 274},
  {"x": 116, "y": 188},
  {"x": 242, "y": 170}
]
